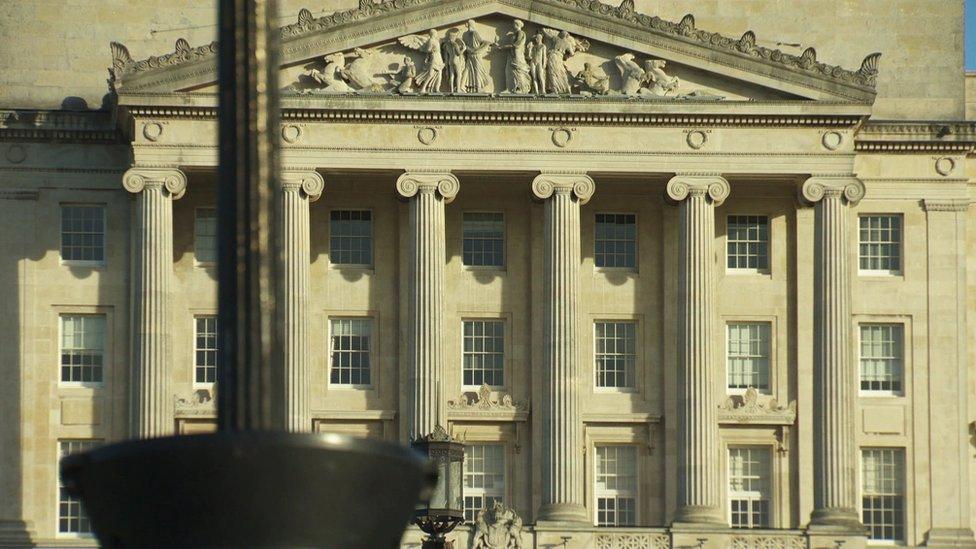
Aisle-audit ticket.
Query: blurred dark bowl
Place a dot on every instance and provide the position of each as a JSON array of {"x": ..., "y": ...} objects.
[{"x": 251, "y": 489}]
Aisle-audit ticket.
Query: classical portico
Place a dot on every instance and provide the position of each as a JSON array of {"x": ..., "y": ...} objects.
[{"x": 485, "y": 241}]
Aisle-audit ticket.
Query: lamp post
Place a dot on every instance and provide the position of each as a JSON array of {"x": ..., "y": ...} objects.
[{"x": 443, "y": 510}]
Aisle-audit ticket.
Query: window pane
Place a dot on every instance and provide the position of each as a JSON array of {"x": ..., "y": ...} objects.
[
  {"x": 351, "y": 351},
  {"x": 82, "y": 348},
  {"x": 748, "y": 352},
  {"x": 72, "y": 518},
  {"x": 747, "y": 242},
  {"x": 882, "y": 492},
  {"x": 616, "y": 354},
  {"x": 205, "y": 235},
  {"x": 483, "y": 357},
  {"x": 351, "y": 237},
  {"x": 880, "y": 245},
  {"x": 82, "y": 233},
  {"x": 749, "y": 486},
  {"x": 616, "y": 485},
  {"x": 615, "y": 243},
  {"x": 483, "y": 239},
  {"x": 484, "y": 477},
  {"x": 881, "y": 357},
  {"x": 205, "y": 367}
]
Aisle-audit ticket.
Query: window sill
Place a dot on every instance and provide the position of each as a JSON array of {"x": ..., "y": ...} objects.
[
  {"x": 615, "y": 390},
  {"x": 881, "y": 394},
  {"x": 739, "y": 392},
  {"x": 342, "y": 387},
  {"x": 883, "y": 275},
  {"x": 617, "y": 270},
  {"x": 76, "y": 385},
  {"x": 765, "y": 273},
  {"x": 350, "y": 267},
  {"x": 98, "y": 265},
  {"x": 499, "y": 269}
]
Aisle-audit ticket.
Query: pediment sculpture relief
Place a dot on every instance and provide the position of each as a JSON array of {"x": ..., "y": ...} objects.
[
  {"x": 463, "y": 61},
  {"x": 484, "y": 399},
  {"x": 499, "y": 527},
  {"x": 751, "y": 407}
]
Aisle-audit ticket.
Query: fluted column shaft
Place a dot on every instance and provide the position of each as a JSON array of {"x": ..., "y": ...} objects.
[
  {"x": 562, "y": 426},
  {"x": 298, "y": 189},
  {"x": 155, "y": 189},
  {"x": 835, "y": 379},
  {"x": 427, "y": 193},
  {"x": 699, "y": 493}
]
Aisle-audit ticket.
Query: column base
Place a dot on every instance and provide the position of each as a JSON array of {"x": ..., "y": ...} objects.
[
  {"x": 950, "y": 537},
  {"x": 691, "y": 516},
  {"x": 557, "y": 514},
  {"x": 839, "y": 520},
  {"x": 16, "y": 533}
]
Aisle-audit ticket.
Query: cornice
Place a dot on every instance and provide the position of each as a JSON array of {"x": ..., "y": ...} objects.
[
  {"x": 683, "y": 37},
  {"x": 58, "y": 125},
  {"x": 922, "y": 136}
]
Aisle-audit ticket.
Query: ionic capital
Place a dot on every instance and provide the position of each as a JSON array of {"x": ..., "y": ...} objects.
[
  {"x": 309, "y": 182},
  {"x": 817, "y": 187},
  {"x": 714, "y": 187},
  {"x": 413, "y": 182},
  {"x": 579, "y": 184},
  {"x": 172, "y": 180}
]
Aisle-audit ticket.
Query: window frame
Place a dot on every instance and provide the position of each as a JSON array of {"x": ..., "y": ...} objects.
[
  {"x": 624, "y": 269},
  {"x": 634, "y": 388},
  {"x": 882, "y": 273},
  {"x": 771, "y": 348},
  {"x": 504, "y": 493},
  {"x": 97, "y": 312},
  {"x": 903, "y": 377},
  {"x": 373, "y": 368},
  {"x": 193, "y": 349},
  {"x": 196, "y": 258},
  {"x": 103, "y": 207},
  {"x": 372, "y": 241},
  {"x": 597, "y": 494},
  {"x": 770, "y": 452},
  {"x": 904, "y": 493},
  {"x": 505, "y": 351},
  {"x": 504, "y": 222},
  {"x": 95, "y": 442},
  {"x": 769, "y": 246}
]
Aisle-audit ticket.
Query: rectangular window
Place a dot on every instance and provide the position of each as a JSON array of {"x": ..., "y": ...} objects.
[
  {"x": 880, "y": 244},
  {"x": 749, "y": 488},
  {"x": 881, "y": 357},
  {"x": 82, "y": 233},
  {"x": 616, "y": 240},
  {"x": 351, "y": 351},
  {"x": 748, "y": 348},
  {"x": 82, "y": 348},
  {"x": 616, "y": 354},
  {"x": 882, "y": 493},
  {"x": 351, "y": 240},
  {"x": 484, "y": 478},
  {"x": 484, "y": 239},
  {"x": 72, "y": 518},
  {"x": 747, "y": 242},
  {"x": 483, "y": 359},
  {"x": 616, "y": 486},
  {"x": 205, "y": 362},
  {"x": 205, "y": 235}
]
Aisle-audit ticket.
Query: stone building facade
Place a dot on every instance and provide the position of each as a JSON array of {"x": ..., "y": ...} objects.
[{"x": 673, "y": 283}]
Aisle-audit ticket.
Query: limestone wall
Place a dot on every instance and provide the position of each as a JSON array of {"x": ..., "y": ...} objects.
[{"x": 57, "y": 52}]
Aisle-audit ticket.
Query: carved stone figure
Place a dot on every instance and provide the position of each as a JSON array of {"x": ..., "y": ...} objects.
[
  {"x": 562, "y": 46},
  {"x": 403, "y": 79},
  {"x": 517, "y": 78},
  {"x": 360, "y": 72},
  {"x": 538, "y": 54},
  {"x": 498, "y": 528},
  {"x": 648, "y": 80},
  {"x": 454, "y": 62},
  {"x": 429, "y": 80},
  {"x": 477, "y": 77},
  {"x": 592, "y": 82},
  {"x": 332, "y": 77}
]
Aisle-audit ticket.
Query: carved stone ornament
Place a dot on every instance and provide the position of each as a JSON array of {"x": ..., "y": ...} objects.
[
  {"x": 443, "y": 183},
  {"x": 816, "y": 188},
  {"x": 427, "y": 135},
  {"x": 137, "y": 179},
  {"x": 498, "y": 527},
  {"x": 16, "y": 154},
  {"x": 203, "y": 402},
  {"x": 291, "y": 133},
  {"x": 832, "y": 140},
  {"x": 945, "y": 166},
  {"x": 714, "y": 186},
  {"x": 152, "y": 130},
  {"x": 438, "y": 435},
  {"x": 561, "y": 137},
  {"x": 779, "y": 541},
  {"x": 618, "y": 540},
  {"x": 482, "y": 400},
  {"x": 579, "y": 184},
  {"x": 310, "y": 182},
  {"x": 696, "y": 139},
  {"x": 752, "y": 408}
]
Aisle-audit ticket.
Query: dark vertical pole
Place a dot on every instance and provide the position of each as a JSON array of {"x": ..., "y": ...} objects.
[{"x": 249, "y": 380}]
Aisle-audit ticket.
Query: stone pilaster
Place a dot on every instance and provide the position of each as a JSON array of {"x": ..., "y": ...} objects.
[
  {"x": 562, "y": 424},
  {"x": 152, "y": 240},
  {"x": 949, "y": 451},
  {"x": 427, "y": 193},
  {"x": 298, "y": 189},
  {"x": 835, "y": 381},
  {"x": 699, "y": 491}
]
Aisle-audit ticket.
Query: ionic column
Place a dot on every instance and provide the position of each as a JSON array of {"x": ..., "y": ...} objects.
[
  {"x": 562, "y": 424},
  {"x": 427, "y": 193},
  {"x": 699, "y": 492},
  {"x": 298, "y": 189},
  {"x": 834, "y": 377},
  {"x": 155, "y": 189}
]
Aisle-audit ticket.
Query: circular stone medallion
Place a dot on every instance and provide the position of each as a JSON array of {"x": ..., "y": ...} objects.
[
  {"x": 152, "y": 130},
  {"x": 291, "y": 133},
  {"x": 696, "y": 139},
  {"x": 561, "y": 137},
  {"x": 16, "y": 154},
  {"x": 427, "y": 135},
  {"x": 945, "y": 165},
  {"x": 832, "y": 140}
]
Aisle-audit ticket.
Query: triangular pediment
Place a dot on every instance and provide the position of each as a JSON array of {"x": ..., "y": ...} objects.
[{"x": 605, "y": 50}]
